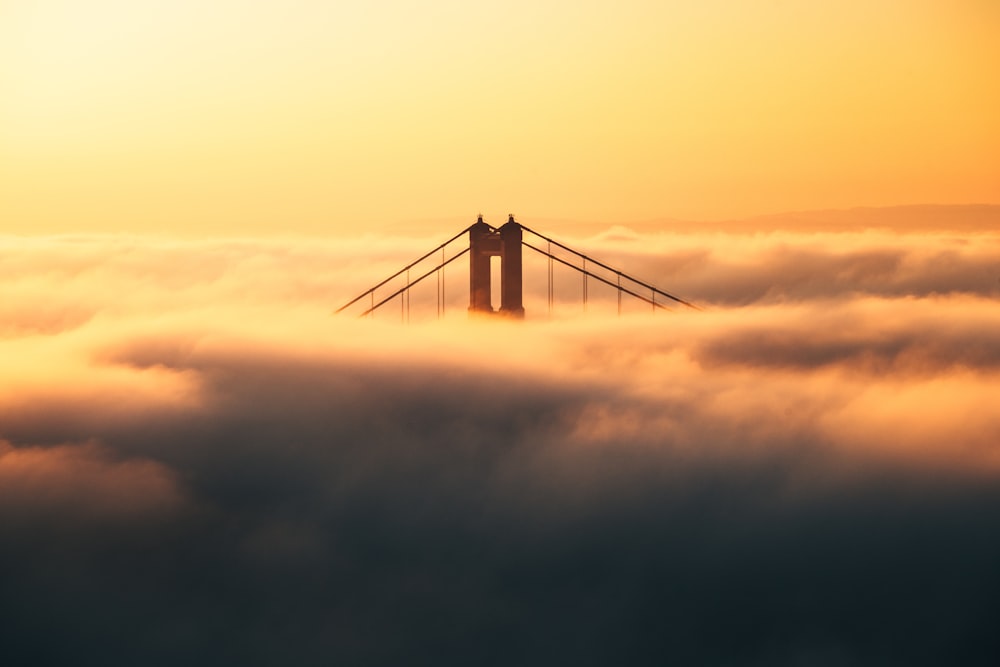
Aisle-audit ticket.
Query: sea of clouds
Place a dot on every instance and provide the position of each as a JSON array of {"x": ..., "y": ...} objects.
[{"x": 200, "y": 464}]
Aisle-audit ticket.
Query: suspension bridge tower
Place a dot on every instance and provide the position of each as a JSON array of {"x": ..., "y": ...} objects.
[
  {"x": 506, "y": 242},
  {"x": 486, "y": 242}
]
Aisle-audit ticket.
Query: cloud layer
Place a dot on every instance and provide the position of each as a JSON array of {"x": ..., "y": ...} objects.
[{"x": 198, "y": 463}]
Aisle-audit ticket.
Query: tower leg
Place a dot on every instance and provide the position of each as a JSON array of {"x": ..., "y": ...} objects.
[
  {"x": 480, "y": 284},
  {"x": 511, "y": 279}
]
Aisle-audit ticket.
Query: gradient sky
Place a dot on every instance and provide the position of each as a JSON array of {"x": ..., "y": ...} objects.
[{"x": 300, "y": 116}]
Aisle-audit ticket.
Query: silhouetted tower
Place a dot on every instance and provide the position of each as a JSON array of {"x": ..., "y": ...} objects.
[
  {"x": 511, "y": 303},
  {"x": 484, "y": 243},
  {"x": 506, "y": 242}
]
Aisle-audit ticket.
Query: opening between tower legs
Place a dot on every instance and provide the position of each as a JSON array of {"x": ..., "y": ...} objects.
[{"x": 486, "y": 242}]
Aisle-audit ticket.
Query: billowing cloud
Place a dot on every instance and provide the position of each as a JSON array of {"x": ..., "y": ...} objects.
[
  {"x": 201, "y": 461},
  {"x": 80, "y": 483}
]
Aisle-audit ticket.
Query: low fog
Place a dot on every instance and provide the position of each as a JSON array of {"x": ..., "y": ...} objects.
[{"x": 199, "y": 463}]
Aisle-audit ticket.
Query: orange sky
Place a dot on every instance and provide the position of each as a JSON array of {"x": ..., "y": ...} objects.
[{"x": 238, "y": 117}]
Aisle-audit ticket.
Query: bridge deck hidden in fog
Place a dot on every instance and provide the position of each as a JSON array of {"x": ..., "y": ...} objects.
[{"x": 506, "y": 242}]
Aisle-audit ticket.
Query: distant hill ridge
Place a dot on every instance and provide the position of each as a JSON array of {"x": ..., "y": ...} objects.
[
  {"x": 913, "y": 218},
  {"x": 926, "y": 217},
  {"x": 916, "y": 218}
]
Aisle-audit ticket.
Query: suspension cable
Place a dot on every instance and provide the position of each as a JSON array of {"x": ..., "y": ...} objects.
[
  {"x": 550, "y": 294},
  {"x": 619, "y": 295},
  {"x": 596, "y": 277},
  {"x": 415, "y": 282},
  {"x": 610, "y": 268},
  {"x": 404, "y": 269}
]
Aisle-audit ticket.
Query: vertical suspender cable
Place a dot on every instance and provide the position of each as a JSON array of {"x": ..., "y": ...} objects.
[
  {"x": 550, "y": 294},
  {"x": 619, "y": 294},
  {"x": 585, "y": 284}
]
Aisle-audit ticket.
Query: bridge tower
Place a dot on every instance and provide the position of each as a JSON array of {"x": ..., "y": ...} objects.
[{"x": 486, "y": 242}]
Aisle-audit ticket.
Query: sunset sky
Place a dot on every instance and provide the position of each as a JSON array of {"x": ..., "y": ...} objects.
[
  {"x": 201, "y": 465},
  {"x": 309, "y": 117}
]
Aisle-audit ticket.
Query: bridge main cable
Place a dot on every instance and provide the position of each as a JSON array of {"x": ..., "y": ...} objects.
[
  {"x": 407, "y": 287},
  {"x": 401, "y": 271},
  {"x": 597, "y": 277},
  {"x": 604, "y": 266}
]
